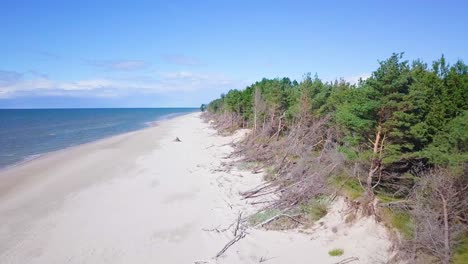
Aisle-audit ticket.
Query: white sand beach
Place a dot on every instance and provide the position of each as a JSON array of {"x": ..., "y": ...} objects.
[{"x": 141, "y": 197}]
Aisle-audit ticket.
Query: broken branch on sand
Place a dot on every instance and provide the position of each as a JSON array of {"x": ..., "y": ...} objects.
[
  {"x": 238, "y": 223},
  {"x": 230, "y": 243},
  {"x": 237, "y": 235},
  {"x": 254, "y": 191},
  {"x": 278, "y": 216}
]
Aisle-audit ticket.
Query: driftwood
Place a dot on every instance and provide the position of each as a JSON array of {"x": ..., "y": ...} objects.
[
  {"x": 217, "y": 230},
  {"x": 239, "y": 233},
  {"x": 278, "y": 190},
  {"x": 262, "y": 202},
  {"x": 230, "y": 243},
  {"x": 261, "y": 187},
  {"x": 212, "y": 230},
  {"x": 263, "y": 259},
  {"x": 238, "y": 224}
]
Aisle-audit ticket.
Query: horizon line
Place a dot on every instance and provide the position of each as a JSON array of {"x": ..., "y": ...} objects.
[{"x": 72, "y": 108}]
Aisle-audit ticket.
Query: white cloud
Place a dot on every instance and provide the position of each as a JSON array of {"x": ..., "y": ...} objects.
[
  {"x": 160, "y": 83},
  {"x": 85, "y": 84}
]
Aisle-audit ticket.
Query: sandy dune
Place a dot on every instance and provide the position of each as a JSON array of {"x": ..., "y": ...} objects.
[{"x": 143, "y": 198}]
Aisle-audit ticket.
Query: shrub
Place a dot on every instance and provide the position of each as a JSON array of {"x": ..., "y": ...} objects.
[{"x": 336, "y": 252}]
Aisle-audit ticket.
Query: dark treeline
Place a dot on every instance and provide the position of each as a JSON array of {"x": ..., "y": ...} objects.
[{"x": 395, "y": 144}]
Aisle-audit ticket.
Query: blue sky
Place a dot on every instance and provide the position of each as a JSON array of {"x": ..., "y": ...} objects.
[{"x": 184, "y": 53}]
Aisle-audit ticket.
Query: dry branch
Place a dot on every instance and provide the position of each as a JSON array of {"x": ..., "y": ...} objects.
[
  {"x": 261, "y": 187},
  {"x": 347, "y": 260},
  {"x": 278, "y": 216},
  {"x": 239, "y": 218},
  {"x": 230, "y": 243}
]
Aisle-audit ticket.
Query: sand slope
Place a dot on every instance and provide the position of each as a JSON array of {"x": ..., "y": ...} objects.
[{"x": 143, "y": 198}]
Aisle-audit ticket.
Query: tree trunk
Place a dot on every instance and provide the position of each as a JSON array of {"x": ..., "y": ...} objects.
[
  {"x": 256, "y": 105},
  {"x": 279, "y": 125},
  {"x": 264, "y": 122},
  {"x": 255, "y": 120},
  {"x": 446, "y": 259},
  {"x": 375, "y": 162}
]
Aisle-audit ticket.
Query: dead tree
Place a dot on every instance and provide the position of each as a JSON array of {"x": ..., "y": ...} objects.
[
  {"x": 259, "y": 108},
  {"x": 439, "y": 204}
]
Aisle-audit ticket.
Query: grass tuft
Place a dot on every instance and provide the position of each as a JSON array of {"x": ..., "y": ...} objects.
[
  {"x": 316, "y": 208},
  {"x": 348, "y": 186},
  {"x": 262, "y": 216},
  {"x": 336, "y": 252},
  {"x": 400, "y": 220}
]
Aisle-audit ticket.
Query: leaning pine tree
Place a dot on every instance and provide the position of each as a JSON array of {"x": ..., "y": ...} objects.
[{"x": 367, "y": 115}]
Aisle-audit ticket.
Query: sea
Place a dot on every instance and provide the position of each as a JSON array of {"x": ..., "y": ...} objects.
[{"x": 28, "y": 133}]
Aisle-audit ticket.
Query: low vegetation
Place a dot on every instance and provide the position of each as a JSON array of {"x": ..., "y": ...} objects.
[
  {"x": 315, "y": 208},
  {"x": 262, "y": 216},
  {"x": 336, "y": 252},
  {"x": 398, "y": 219},
  {"x": 394, "y": 144},
  {"x": 461, "y": 250}
]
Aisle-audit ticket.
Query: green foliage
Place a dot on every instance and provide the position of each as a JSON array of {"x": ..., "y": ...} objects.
[
  {"x": 420, "y": 112},
  {"x": 203, "y": 107},
  {"x": 216, "y": 106},
  {"x": 348, "y": 186},
  {"x": 336, "y": 252},
  {"x": 350, "y": 153},
  {"x": 375, "y": 105},
  {"x": 449, "y": 146}
]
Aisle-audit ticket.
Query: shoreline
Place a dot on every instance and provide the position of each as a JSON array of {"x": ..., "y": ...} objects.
[
  {"x": 144, "y": 198},
  {"x": 7, "y": 183},
  {"x": 148, "y": 125}
]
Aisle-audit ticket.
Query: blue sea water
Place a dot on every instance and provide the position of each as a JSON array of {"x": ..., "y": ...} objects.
[{"x": 27, "y": 133}]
